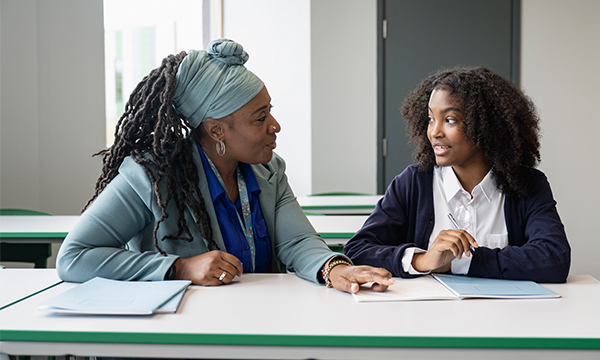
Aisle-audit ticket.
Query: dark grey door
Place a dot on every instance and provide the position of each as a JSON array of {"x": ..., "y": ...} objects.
[{"x": 421, "y": 36}]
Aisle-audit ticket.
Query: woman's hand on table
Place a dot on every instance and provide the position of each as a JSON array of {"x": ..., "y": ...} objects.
[
  {"x": 209, "y": 269},
  {"x": 349, "y": 278}
]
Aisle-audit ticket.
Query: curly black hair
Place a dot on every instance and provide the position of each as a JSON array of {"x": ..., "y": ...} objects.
[
  {"x": 161, "y": 141},
  {"x": 499, "y": 119}
]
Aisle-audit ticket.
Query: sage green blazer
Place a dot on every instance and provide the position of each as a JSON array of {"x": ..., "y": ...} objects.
[{"x": 114, "y": 236}]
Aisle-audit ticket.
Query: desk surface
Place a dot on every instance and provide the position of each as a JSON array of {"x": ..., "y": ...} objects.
[
  {"x": 17, "y": 284},
  {"x": 341, "y": 205},
  {"x": 282, "y": 316},
  {"x": 337, "y": 228},
  {"x": 47, "y": 228}
]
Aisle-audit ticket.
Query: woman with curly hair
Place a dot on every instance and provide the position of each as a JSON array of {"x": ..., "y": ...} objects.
[
  {"x": 192, "y": 190},
  {"x": 473, "y": 202}
]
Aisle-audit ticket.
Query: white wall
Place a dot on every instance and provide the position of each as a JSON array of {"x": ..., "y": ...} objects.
[
  {"x": 20, "y": 176},
  {"x": 276, "y": 34},
  {"x": 560, "y": 71},
  {"x": 308, "y": 53},
  {"x": 51, "y": 103},
  {"x": 344, "y": 96}
]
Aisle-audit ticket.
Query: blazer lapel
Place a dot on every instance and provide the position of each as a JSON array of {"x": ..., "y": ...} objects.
[
  {"x": 268, "y": 195},
  {"x": 267, "y": 181},
  {"x": 203, "y": 185}
]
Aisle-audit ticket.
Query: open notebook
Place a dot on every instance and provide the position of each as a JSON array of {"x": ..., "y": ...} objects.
[
  {"x": 101, "y": 296},
  {"x": 455, "y": 287}
]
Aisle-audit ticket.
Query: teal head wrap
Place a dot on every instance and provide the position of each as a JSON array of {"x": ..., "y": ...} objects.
[{"x": 214, "y": 83}]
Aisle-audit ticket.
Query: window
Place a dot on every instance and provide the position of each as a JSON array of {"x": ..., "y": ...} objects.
[{"x": 138, "y": 34}]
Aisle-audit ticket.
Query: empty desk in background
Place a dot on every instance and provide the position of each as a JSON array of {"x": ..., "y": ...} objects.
[
  {"x": 292, "y": 319},
  {"x": 36, "y": 229},
  {"x": 27, "y": 238},
  {"x": 336, "y": 230},
  {"x": 340, "y": 204}
]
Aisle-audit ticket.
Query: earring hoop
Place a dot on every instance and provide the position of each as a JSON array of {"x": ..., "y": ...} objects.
[{"x": 220, "y": 148}]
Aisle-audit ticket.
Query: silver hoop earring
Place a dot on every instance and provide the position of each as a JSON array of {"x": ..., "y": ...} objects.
[{"x": 220, "y": 148}]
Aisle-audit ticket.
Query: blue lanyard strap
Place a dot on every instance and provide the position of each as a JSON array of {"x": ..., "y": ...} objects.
[{"x": 246, "y": 225}]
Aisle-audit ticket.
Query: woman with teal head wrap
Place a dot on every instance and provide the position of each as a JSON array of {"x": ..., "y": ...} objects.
[
  {"x": 191, "y": 188},
  {"x": 214, "y": 84}
]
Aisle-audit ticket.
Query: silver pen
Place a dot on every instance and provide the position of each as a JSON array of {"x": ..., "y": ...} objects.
[{"x": 455, "y": 223}]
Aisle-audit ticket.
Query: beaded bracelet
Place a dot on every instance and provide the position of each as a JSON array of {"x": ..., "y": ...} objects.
[
  {"x": 324, "y": 268},
  {"x": 326, "y": 271}
]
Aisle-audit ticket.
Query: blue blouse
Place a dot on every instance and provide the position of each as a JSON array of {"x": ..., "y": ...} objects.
[{"x": 233, "y": 235}]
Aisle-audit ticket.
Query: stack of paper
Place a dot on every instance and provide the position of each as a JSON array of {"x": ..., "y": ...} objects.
[
  {"x": 455, "y": 287},
  {"x": 114, "y": 297}
]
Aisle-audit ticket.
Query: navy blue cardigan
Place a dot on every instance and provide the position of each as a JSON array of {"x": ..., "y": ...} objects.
[{"x": 537, "y": 248}]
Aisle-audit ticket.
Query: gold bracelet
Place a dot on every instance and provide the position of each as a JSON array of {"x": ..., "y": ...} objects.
[{"x": 331, "y": 266}]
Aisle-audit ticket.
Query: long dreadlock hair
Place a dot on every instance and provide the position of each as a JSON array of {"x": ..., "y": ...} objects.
[{"x": 159, "y": 139}]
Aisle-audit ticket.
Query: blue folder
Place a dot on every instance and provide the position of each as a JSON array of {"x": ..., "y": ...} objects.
[
  {"x": 114, "y": 297},
  {"x": 473, "y": 287}
]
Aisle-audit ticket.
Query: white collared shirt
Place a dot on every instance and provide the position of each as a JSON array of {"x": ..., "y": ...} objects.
[{"x": 481, "y": 214}]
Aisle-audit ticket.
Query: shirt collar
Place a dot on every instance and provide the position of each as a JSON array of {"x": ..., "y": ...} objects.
[
  {"x": 452, "y": 185},
  {"x": 215, "y": 187},
  {"x": 488, "y": 186}
]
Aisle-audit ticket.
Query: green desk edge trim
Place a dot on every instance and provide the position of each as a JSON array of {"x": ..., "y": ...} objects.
[
  {"x": 321, "y": 207},
  {"x": 335, "y": 235},
  {"x": 300, "y": 340},
  {"x": 36, "y": 235},
  {"x": 27, "y": 297}
]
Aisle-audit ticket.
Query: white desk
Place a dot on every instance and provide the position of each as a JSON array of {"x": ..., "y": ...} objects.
[
  {"x": 339, "y": 205},
  {"x": 280, "y": 316},
  {"x": 17, "y": 284},
  {"x": 335, "y": 229},
  {"x": 35, "y": 229}
]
